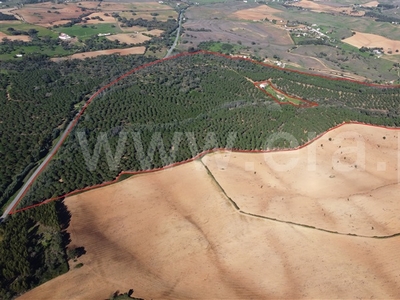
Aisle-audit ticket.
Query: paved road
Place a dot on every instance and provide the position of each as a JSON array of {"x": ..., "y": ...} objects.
[
  {"x": 50, "y": 155},
  {"x": 177, "y": 35},
  {"x": 41, "y": 167}
]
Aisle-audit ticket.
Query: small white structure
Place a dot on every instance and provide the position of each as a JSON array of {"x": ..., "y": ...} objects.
[
  {"x": 104, "y": 34},
  {"x": 64, "y": 37},
  {"x": 18, "y": 55}
]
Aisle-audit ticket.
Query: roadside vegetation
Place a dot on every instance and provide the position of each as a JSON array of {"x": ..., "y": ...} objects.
[{"x": 38, "y": 98}]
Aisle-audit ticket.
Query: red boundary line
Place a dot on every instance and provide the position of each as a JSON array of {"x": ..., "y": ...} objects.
[
  {"x": 78, "y": 116},
  {"x": 198, "y": 156}
]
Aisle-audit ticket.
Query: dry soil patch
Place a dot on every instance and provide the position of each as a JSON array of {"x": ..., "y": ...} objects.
[
  {"x": 257, "y": 13},
  {"x": 173, "y": 234},
  {"x": 360, "y": 39},
  {"x": 129, "y": 38},
  {"x": 126, "y": 51},
  {"x": 24, "y": 38},
  {"x": 347, "y": 184}
]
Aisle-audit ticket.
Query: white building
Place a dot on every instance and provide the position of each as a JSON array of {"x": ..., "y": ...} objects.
[{"x": 64, "y": 37}]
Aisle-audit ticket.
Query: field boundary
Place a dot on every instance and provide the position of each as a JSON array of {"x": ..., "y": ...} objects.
[
  {"x": 200, "y": 155},
  {"x": 308, "y": 103},
  {"x": 197, "y": 157}
]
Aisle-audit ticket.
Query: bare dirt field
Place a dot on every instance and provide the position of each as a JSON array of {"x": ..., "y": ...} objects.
[
  {"x": 109, "y": 6},
  {"x": 319, "y": 7},
  {"x": 106, "y": 19},
  {"x": 329, "y": 186},
  {"x": 162, "y": 15},
  {"x": 24, "y": 38},
  {"x": 371, "y": 4},
  {"x": 10, "y": 22},
  {"x": 129, "y": 38},
  {"x": 50, "y": 24},
  {"x": 257, "y": 13},
  {"x": 174, "y": 233},
  {"x": 126, "y": 51},
  {"x": 370, "y": 40},
  {"x": 38, "y": 13},
  {"x": 226, "y": 31}
]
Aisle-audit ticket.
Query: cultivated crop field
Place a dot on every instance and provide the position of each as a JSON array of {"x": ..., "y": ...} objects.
[{"x": 169, "y": 243}]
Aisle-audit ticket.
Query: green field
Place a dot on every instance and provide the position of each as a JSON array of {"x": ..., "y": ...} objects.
[
  {"x": 90, "y": 30},
  {"x": 282, "y": 97},
  {"x": 56, "y": 51},
  {"x": 42, "y": 31}
]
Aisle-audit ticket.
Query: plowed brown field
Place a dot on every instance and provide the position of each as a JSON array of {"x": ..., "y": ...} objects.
[{"x": 175, "y": 234}]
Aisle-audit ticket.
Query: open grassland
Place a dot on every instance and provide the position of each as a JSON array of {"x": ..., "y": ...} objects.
[
  {"x": 90, "y": 30},
  {"x": 280, "y": 97},
  {"x": 369, "y": 40},
  {"x": 25, "y": 27},
  {"x": 125, "y": 51},
  {"x": 51, "y": 52},
  {"x": 171, "y": 233}
]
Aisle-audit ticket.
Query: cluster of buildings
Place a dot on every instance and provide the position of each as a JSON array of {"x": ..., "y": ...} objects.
[{"x": 307, "y": 31}]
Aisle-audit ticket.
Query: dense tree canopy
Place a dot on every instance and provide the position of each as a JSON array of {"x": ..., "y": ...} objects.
[{"x": 196, "y": 103}]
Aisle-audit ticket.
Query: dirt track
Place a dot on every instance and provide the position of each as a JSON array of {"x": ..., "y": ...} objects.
[{"x": 174, "y": 233}]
